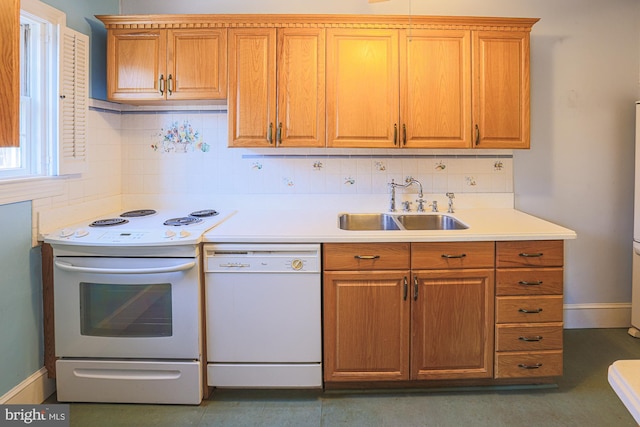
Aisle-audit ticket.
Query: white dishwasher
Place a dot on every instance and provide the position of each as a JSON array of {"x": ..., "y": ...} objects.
[{"x": 263, "y": 308}]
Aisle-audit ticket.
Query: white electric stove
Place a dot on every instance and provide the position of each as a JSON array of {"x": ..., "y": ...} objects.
[{"x": 127, "y": 306}]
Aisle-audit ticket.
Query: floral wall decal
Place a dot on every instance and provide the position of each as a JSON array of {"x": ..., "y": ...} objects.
[
  {"x": 180, "y": 138},
  {"x": 498, "y": 165},
  {"x": 440, "y": 166}
]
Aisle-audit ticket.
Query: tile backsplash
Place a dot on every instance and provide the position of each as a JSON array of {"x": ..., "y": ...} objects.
[{"x": 186, "y": 152}]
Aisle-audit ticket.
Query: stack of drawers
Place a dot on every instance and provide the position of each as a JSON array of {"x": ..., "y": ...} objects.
[{"x": 529, "y": 309}]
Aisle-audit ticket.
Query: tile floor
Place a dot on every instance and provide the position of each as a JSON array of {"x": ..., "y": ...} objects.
[{"x": 582, "y": 397}]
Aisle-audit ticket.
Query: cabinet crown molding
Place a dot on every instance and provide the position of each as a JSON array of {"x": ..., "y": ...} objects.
[{"x": 316, "y": 21}]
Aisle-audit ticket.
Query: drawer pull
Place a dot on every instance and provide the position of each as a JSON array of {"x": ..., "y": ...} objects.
[
  {"x": 527, "y": 311},
  {"x": 531, "y": 339},
  {"x": 453, "y": 256},
  {"x": 366, "y": 256},
  {"x": 533, "y": 255},
  {"x": 527, "y": 283},
  {"x": 536, "y": 366},
  {"x": 405, "y": 289}
]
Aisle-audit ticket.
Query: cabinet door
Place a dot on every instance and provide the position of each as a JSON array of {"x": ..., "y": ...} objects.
[
  {"x": 501, "y": 89},
  {"x": 435, "y": 88},
  {"x": 197, "y": 64},
  {"x": 252, "y": 87},
  {"x": 366, "y": 326},
  {"x": 362, "y": 88},
  {"x": 452, "y": 324},
  {"x": 301, "y": 87},
  {"x": 136, "y": 61}
]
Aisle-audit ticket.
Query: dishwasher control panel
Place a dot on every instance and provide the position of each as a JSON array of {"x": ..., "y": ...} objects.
[{"x": 273, "y": 258}]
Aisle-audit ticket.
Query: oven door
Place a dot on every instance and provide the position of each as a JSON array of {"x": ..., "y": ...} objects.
[{"x": 127, "y": 307}]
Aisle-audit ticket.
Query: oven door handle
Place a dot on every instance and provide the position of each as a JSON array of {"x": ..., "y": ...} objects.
[{"x": 70, "y": 267}]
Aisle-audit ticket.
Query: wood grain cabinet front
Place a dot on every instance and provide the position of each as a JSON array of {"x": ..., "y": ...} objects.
[
  {"x": 277, "y": 87},
  {"x": 392, "y": 315},
  {"x": 529, "y": 309},
  {"x": 151, "y": 64}
]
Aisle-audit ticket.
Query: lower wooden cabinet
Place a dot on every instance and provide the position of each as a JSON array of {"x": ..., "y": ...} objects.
[
  {"x": 445, "y": 313},
  {"x": 529, "y": 309},
  {"x": 405, "y": 324}
]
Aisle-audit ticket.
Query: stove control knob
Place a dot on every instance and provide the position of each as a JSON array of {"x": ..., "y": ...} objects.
[
  {"x": 169, "y": 233},
  {"x": 66, "y": 232},
  {"x": 184, "y": 233},
  {"x": 81, "y": 232},
  {"x": 297, "y": 264}
]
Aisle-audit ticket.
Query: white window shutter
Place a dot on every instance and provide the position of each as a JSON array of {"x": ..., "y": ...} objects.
[{"x": 74, "y": 93}]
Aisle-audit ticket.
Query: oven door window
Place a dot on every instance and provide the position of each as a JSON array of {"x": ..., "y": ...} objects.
[{"x": 108, "y": 310}]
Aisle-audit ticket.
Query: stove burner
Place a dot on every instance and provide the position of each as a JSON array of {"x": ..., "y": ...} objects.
[
  {"x": 137, "y": 213},
  {"x": 204, "y": 213},
  {"x": 108, "y": 222},
  {"x": 185, "y": 220}
]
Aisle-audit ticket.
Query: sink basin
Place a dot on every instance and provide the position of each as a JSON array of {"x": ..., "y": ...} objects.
[
  {"x": 430, "y": 222},
  {"x": 382, "y": 221},
  {"x": 362, "y": 222}
]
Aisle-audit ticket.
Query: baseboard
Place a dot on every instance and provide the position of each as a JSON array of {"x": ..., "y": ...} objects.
[
  {"x": 32, "y": 391},
  {"x": 609, "y": 315}
]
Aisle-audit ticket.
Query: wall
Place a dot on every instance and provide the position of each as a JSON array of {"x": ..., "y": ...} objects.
[
  {"x": 579, "y": 172},
  {"x": 21, "y": 342}
]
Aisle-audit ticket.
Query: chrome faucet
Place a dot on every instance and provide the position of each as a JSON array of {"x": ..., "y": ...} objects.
[{"x": 409, "y": 181}]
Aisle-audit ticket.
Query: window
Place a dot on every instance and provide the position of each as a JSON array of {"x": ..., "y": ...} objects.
[{"x": 52, "y": 102}]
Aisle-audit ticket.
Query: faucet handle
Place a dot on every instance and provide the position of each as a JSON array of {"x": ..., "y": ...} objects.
[{"x": 420, "y": 202}]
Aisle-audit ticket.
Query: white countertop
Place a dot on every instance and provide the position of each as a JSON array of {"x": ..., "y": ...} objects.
[{"x": 320, "y": 225}]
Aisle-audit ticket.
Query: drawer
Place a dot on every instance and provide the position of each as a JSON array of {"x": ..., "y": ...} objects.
[
  {"x": 546, "y": 308},
  {"x": 529, "y": 364},
  {"x": 530, "y": 253},
  {"x": 366, "y": 256},
  {"x": 529, "y": 337},
  {"x": 448, "y": 255},
  {"x": 529, "y": 281}
]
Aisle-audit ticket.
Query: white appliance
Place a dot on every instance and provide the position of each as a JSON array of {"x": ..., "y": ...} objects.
[
  {"x": 127, "y": 307},
  {"x": 263, "y": 304},
  {"x": 635, "y": 303}
]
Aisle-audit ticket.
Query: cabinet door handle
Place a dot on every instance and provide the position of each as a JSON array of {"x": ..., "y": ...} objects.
[
  {"x": 366, "y": 256},
  {"x": 527, "y": 283},
  {"x": 527, "y": 311},
  {"x": 415, "y": 288},
  {"x": 448, "y": 256},
  {"x": 395, "y": 134},
  {"x": 531, "y": 339},
  {"x": 524, "y": 366},
  {"x": 170, "y": 84},
  {"x": 477, "y": 135},
  {"x": 161, "y": 84},
  {"x": 404, "y": 134},
  {"x": 270, "y": 133},
  {"x": 279, "y": 134},
  {"x": 531, "y": 255},
  {"x": 405, "y": 289}
]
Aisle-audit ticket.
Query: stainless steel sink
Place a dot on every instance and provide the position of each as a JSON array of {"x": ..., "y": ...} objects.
[
  {"x": 382, "y": 221},
  {"x": 430, "y": 222},
  {"x": 362, "y": 222}
]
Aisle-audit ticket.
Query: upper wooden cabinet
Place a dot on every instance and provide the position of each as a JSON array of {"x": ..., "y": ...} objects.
[
  {"x": 435, "y": 88},
  {"x": 159, "y": 64},
  {"x": 501, "y": 89},
  {"x": 10, "y": 71},
  {"x": 276, "y": 87},
  {"x": 349, "y": 81},
  {"x": 362, "y": 88}
]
